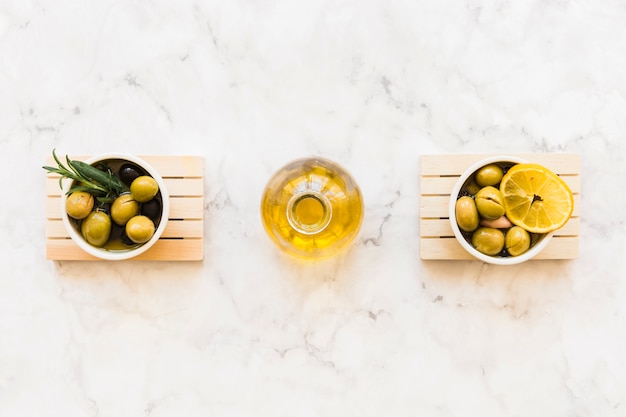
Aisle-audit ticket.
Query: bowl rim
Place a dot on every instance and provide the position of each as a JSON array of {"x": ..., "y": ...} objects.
[
  {"x": 122, "y": 255},
  {"x": 531, "y": 253}
]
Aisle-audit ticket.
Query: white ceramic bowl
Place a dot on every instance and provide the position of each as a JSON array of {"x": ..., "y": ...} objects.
[
  {"x": 541, "y": 242},
  {"x": 73, "y": 226}
]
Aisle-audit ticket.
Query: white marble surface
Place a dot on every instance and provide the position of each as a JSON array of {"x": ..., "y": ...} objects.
[{"x": 251, "y": 85}]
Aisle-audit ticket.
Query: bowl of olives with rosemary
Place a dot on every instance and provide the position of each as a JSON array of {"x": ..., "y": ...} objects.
[
  {"x": 495, "y": 214},
  {"x": 115, "y": 206}
]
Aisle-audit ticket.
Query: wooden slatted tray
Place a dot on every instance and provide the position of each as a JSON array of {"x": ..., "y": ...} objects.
[
  {"x": 439, "y": 173},
  {"x": 182, "y": 239}
]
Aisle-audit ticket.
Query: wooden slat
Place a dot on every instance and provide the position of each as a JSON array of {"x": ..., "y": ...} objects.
[
  {"x": 439, "y": 165},
  {"x": 163, "y": 250},
  {"x": 441, "y": 228},
  {"x": 175, "y": 186},
  {"x": 180, "y": 208},
  {"x": 182, "y": 239},
  {"x": 432, "y": 185},
  {"x": 55, "y": 229},
  {"x": 438, "y": 175},
  {"x": 179, "y": 166},
  {"x": 186, "y": 208},
  {"x": 436, "y": 206},
  {"x": 450, "y": 249}
]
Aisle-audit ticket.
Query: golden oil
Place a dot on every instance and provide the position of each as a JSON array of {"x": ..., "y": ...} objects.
[{"x": 312, "y": 208}]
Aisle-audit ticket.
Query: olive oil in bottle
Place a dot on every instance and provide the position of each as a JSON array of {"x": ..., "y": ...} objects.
[{"x": 312, "y": 208}]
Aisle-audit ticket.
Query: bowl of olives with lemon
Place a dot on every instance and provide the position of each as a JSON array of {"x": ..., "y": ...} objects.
[
  {"x": 504, "y": 210},
  {"x": 115, "y": 206}
]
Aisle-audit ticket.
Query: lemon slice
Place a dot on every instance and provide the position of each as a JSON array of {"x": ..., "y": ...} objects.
[{"x": 535, "y": 198}]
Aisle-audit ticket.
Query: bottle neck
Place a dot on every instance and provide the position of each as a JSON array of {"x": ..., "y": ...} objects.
[{"x": 309, "y": 212}]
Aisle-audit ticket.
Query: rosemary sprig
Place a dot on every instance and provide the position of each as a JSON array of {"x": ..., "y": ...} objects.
[{"x": 104, "y": 186}]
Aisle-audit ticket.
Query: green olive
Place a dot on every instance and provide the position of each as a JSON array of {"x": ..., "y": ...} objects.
[
  {"x": 96, "y": 228},
  {"x": 517, "y": 241},
  {"x": 124, "y": 208},
  {"x": 466, "y": 214},
  {"x": 79, "y": 204},
  {"x": 140, "y": 229},
  {"x": 490, "y": 203},
  {"x": 144, "y": 188},
  {"x": 488, "y": 240},
  {"x": 489, "y": 175}
]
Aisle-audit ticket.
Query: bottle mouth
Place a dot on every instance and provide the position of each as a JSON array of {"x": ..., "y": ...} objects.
[{"x": 309, "y": 212}]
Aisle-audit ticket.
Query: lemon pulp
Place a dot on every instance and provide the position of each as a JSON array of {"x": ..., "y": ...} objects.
[{"x": 535, "y": 198}]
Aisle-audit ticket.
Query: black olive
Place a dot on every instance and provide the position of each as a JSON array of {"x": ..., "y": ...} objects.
[
  {"x": 152, "y": 209},
  {"x": 504, "y": 253},
  {"x": 106, "y": 207},
  {"x": 125, "y": 239},
  {"x": 128, "y": 173}
]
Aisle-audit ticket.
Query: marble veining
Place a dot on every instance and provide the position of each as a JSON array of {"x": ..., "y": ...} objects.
[{"x": 372, "y": 85}]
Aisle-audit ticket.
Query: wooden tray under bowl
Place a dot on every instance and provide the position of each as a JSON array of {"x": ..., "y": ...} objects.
[
  {"x": 182, "y": 239},
  {"x": 439, "y": 173}
]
